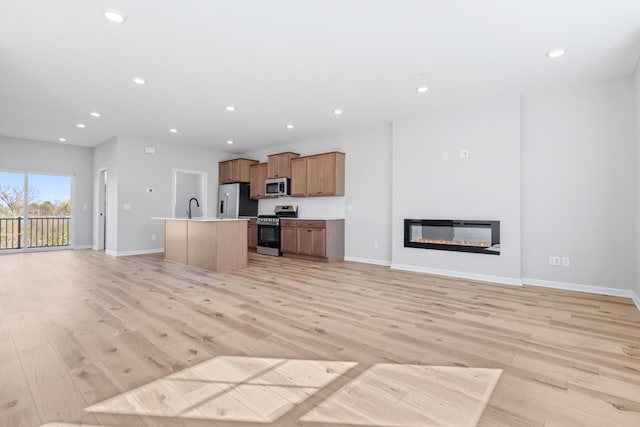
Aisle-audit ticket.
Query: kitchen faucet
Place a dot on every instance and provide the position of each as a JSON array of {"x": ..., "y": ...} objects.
[{"x": 189, "y": 210}]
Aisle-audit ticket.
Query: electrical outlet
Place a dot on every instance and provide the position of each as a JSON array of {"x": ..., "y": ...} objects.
[
  {"x": 554, "y": 260},
  {"x": 566, "y": 261},
  {"x": 445, "y": 156},
  {"x": 153, "y": 237},
  {"x": 376, "y": 245}
]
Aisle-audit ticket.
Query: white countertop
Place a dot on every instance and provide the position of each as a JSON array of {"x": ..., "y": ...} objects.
[
  {"x": 310, "y": 218},
  {"x": 201, "y": 219}
]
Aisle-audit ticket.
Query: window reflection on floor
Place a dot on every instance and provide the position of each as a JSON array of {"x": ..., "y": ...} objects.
[
  {"x": 410, "y": 396},
  {"x": 229, "y": 388},
  {"x": 261, "y": 390}
]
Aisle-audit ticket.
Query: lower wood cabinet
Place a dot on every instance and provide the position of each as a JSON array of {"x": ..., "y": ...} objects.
[
  {"x": 323, "y": 239},
  {"x": 252, "y": 234},
  {"x": 288, "y": 236}
]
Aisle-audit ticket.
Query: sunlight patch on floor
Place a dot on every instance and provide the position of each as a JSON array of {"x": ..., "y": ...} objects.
[
  {"x": 410, "y": 396},
  {"x": 229, "y": 388}
]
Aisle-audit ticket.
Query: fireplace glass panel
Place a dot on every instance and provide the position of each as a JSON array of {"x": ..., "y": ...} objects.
[{"x": 466, "y": 236}]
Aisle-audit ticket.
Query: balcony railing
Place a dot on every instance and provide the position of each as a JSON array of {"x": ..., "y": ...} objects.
[{"x": 42, "y": 232}]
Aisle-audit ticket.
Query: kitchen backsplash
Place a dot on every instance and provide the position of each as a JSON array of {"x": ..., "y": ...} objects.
[{"x": 308, "y": 207}]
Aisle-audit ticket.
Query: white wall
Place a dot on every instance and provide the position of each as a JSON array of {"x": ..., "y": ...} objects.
[
  {"x": 366, "y": 205},
  {"x": 637, "y": 120},
  {"x": 485, "y": 186},
  {"x": 579, "y": 190},
  {"x": 137, "y": 171},
  {"x": 22, "y": 155},
  {"x": 105, "y": 157}
]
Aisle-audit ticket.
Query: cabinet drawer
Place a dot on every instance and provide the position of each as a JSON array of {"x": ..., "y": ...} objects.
[
  {"x": 288, "y": 223},
  {"x": 314, "y": 223}
]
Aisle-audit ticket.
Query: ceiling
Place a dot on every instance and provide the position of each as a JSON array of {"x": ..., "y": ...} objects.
[{"x": 282, "y": 62}]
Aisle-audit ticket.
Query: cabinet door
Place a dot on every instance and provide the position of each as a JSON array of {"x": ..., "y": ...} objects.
[
  {"x": 252, "y": 235},
  {"x": 224, "y": 172},
  {"x": 288, "y": 240},
  {"x": 273, "y": 166},
  {"x": 305, "y": 241},
  {"x": 314, "y": 176},
  {"x": 299, "y": 177},
  {"x": 235, "y": 170},
  {"x": 325, "y": 174},
  {"x": 318, "y": 242},
  {"x": 256, "y": 185},
  {"x": 312, "y": 241}
]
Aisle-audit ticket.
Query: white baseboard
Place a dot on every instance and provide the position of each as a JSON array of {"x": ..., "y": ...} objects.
[
  {"x": 368, "y": 261},
  {"x": 600, "y": 290},
  {"x": 460, "y": 274},
  {"x": 129, "y": 253},
  {"x": 79, "y": 247},
  {"x": 636, "y": 300}
]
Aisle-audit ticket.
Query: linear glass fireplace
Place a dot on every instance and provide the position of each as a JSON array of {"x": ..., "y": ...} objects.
[{"x": 452, "y": 235}]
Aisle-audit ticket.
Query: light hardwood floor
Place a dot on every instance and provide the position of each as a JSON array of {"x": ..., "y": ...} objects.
[{"x": 136, "y": 341}]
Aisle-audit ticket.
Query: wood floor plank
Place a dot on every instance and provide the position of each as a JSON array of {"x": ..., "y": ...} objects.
[{"x": 82, "y": 330}]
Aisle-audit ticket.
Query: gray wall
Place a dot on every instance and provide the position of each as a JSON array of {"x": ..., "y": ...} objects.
[
  {"x": 637, "y": 120},
  {"x": 579, "y": 185},
  {"x": 484, "y": 186},
  {"x": 137, "y": 171},
  {"x": 22, "y": 155},
  {"x": 366, "y": 205}
]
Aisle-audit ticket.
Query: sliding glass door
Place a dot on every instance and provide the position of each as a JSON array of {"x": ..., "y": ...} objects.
[
  {"x": 46, "y": 220},
  {"x": 12, "y": 201}
]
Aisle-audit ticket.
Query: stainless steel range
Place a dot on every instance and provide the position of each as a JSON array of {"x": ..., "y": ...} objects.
[{"x": 269, "y": 229}]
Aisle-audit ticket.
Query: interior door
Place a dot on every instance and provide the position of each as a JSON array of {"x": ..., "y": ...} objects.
[{"x": 102, "y": 210}]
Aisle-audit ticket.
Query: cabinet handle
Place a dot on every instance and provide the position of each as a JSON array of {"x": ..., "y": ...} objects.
[{"x": 308, "y": 231}]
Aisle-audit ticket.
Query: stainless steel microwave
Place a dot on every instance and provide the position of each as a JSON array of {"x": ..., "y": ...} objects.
[{"x": 277, "y": 187}]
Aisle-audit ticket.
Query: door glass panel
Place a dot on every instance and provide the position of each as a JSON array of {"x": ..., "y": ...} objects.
[
  {"x": 49, "y": 213},
  {"x": 11, "y": 210}
]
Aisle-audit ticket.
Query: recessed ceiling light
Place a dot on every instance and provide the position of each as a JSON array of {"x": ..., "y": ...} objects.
[
  {"x": 94, "y": 114},
  {"x": 230, "y": 108},
  {"x": 229, "y": 141},
  {"x": 62, "y": 139},
  {"x": 81, "y": 125},
  {"x": 337, "y": 112},
  {"x": 139, "y": 80},
  {"x": 422, "y": 89},
  {"x": 557, "y": 53},
  {"x": 289, "y": 126},
  {"x": 173, "y": 130},
  {"x": 114, "y": 16}
]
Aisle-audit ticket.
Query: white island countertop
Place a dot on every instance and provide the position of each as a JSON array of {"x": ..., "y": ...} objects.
[{"x": 201, "y": 219}]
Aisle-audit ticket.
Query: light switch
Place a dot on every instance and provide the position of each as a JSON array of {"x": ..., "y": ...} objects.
[
  {"x": 464, "y": 154},
  {"x": 127, "y": 206}
]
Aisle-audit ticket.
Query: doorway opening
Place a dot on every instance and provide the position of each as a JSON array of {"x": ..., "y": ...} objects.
[{"x": 188, "y": 185}]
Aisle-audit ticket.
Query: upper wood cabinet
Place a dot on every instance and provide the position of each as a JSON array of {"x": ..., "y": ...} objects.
[
  {"x": 325, "y": 175},
  {"x": 280, "y": 164},
  {"x": 299, "y": 177},
  {"x": 236, "y": 170},
  {"x": 258, "y": 175}
]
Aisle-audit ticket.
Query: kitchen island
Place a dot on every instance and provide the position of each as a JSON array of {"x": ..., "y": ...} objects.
[{"x": 209, "y": 243}]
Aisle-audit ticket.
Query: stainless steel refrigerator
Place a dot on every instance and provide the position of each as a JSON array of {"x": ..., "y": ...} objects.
[{"x": 234, "y": 201}]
